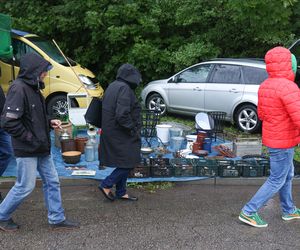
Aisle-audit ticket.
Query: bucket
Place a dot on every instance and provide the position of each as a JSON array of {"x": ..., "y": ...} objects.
[
  {"x": 162, "y": 132},
  {"x": 176, "y": 143},
  {"x": 207, "y": 144},
  {"x": 58, "y": 131},
  {"x": 68, "y": 145},
  {"x": 175, "y": 132}
]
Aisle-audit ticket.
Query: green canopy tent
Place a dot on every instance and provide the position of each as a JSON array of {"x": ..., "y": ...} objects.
[{"x": 6, "y": 50}]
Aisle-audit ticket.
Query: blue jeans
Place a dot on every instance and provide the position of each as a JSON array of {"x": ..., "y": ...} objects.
[
  {"x": 6, "y": 150},
  {"x": 119, "y": 177},
  {"x": 25, "y": 183},
  {"x": 280, "y": 180}
]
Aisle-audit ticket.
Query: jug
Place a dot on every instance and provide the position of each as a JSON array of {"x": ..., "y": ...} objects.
[{"x": 89, "y": 151}]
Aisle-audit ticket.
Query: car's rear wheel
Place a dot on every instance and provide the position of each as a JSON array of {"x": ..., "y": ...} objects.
[
  {"x": 246, "y": 119},
  {"x": 57, "y": 106},
  {"x": 156, "y": 102}
]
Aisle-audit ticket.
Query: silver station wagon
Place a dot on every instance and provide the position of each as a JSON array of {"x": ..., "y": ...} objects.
[{"x": 228, "y": 85}]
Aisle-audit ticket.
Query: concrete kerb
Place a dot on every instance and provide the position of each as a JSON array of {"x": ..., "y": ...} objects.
[{"x": 6, "y": 183}]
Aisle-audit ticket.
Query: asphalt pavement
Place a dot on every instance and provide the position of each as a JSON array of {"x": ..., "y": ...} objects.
[{"x": 189, "y": 215}]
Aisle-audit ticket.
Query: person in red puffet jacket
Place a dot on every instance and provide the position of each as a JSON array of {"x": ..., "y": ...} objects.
[{"x": 279, "y": 110}]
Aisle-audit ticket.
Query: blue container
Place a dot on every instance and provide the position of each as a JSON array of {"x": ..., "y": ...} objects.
[
  {"x": 176, "y": 143},
  {"x": 207, "y": 144}
]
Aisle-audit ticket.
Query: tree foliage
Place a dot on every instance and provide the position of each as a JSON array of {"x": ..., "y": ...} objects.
[{"x": 160, "y": 37}]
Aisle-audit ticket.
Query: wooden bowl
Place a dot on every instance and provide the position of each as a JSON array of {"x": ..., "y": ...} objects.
[{"x": 71, "y": 157}]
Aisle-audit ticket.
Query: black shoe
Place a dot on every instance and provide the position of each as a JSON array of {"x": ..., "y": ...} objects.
[
  {"x": 128, "y": 198},
  {"x": 108, "y": 196},
  {"x": 8, "y": 225},
  {"x": 1, "y": 199},
  {"x": 66, "y": 224}
]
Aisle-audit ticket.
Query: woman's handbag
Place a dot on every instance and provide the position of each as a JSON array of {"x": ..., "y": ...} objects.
[{"x": 93, "y": 114}]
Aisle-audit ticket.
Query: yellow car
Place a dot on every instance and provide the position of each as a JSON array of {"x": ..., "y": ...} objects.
[{"x": 60, "y": 80}]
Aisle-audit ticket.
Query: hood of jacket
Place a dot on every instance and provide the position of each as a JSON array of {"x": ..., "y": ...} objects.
[
  {"x": 279, "y": 63},
  {"x": 130, "y": 75},
  {"x": 31, "y": 67}
]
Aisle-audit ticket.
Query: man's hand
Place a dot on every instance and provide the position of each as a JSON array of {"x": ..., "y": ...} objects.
[{"x": 56, "y": 123}]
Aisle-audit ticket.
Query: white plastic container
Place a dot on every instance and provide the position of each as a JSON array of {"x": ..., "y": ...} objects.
[
  {"x": 162, "y": 132},
  {"x": 190, "y": 140}
]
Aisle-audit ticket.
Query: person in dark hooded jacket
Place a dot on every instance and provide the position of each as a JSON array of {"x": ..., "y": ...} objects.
[
  {"x": 24, "y": 118},
  {"x": 6, "y": 150},
  {"x": 120, "y": 141}
]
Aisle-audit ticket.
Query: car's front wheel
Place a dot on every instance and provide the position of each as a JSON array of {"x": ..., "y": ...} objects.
[
  {"x": 57, "y": 106},
  {"x": 246, "y": 119},
  {"x": 156, "y": 102}
]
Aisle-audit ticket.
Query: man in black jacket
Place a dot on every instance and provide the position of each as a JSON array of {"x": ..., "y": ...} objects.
[
  {"x": 6, "y": 151},
  {"x": 24, "y": 118}
]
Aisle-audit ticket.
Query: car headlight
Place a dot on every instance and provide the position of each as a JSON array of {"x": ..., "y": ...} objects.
[{"x": 87, "y": 82}]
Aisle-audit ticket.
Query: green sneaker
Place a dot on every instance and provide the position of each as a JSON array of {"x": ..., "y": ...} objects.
[
  {"x": 253, "y": 220},
  {"x": 294, "y": 215}
]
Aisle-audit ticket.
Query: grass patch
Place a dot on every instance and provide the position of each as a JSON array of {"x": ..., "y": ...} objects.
[
  {"x": 297, "y": 154},
  {"x": 151, "y": 187}
]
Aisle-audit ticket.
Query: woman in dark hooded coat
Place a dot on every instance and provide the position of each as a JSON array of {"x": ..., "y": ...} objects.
[{"x": 120, "y": 141}]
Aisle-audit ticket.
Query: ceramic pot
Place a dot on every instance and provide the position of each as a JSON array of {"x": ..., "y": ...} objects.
[{"x": 80, "y": 143}]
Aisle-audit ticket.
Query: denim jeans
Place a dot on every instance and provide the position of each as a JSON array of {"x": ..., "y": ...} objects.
[
  {"x": 119, "y": 177},
  {"x": 6, "y": 150},
  {"x": 280, "y": 180},
  {"x": 25, "y": 183}
]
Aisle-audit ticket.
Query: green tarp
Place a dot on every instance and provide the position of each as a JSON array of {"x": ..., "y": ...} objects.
[{"x": 6, "y": 50}]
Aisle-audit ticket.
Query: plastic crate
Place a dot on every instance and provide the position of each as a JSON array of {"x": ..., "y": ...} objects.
[
  {"x": 227, "y": 168},
  {"x": 140, "y": 172},
  {"x": 296, "y": 168},
  {"x": 266, "y": 164},
  {"x": 250, "y": 168},
  {"x": 162, "y": 171},
  {"x": 183, "y": 167},
  {"x": 160, "y": 167},
  {"x": 159, "y": 161},
  {"x": 205, "y": 167}
]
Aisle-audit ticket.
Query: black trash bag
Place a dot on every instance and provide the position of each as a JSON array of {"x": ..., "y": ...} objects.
[{"x": 93, "y": 114}]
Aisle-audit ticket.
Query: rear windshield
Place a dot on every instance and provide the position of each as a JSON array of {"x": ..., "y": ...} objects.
[
  {"x": 254, "y": 75},
  {"x": 50, "y": 49}
]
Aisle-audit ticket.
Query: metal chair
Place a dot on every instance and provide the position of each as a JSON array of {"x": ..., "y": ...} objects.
[
  {"x": 150, "y": 119},
  {"x": 219, "y": 122}
]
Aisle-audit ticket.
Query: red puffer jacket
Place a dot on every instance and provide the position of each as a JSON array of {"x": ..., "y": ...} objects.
[{"x": 279, "y": 101}]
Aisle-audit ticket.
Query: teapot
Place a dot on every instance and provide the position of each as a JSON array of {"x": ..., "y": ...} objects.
[{"x": 64, "y": 135}]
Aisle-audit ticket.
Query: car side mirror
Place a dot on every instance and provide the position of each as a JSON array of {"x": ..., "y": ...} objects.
[{"x": 172, "y": 79}]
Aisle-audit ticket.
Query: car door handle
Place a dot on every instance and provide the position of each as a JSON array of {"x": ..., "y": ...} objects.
[
  {"x": 233, "y": 90},
  {"x": 197, "y": 89}
]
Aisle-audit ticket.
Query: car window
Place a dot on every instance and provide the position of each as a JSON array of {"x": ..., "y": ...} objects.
[
  {"x": 51, "y": 50},
  {"x": 20, "y": 48},
  {"x": 198, "y": 73},
  {"x": 223, "y": 73},
  {"x": 254, "y": 75},
  {"x": 296, "y": 50}
]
